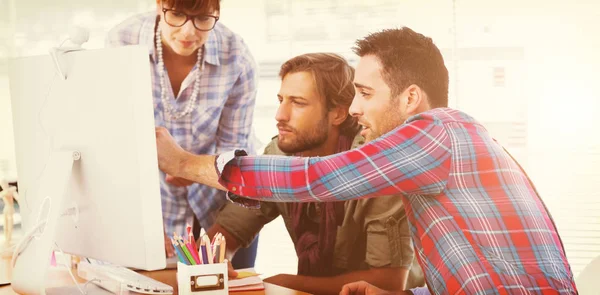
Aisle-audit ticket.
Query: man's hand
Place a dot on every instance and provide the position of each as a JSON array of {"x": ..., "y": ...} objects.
[
  {"x": 176, "y": 162},
  {"x": 170, "y": 154},
  {"x": 178, "y": 181},
  {"x": 363, "y": 288},
  {"x": 169, "y": 250},
  {"x": 231, "y": 273},
  {"x": 279, "y": 280}
]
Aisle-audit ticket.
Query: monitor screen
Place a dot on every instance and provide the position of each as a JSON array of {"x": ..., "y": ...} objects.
[{"x": 111, "y": 206}]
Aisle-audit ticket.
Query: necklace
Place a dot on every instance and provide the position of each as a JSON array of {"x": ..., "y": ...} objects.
[{"x": 163, "y": 89}]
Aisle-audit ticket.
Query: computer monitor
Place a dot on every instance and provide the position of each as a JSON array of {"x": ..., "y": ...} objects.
[{"x": 105, "y": 205}]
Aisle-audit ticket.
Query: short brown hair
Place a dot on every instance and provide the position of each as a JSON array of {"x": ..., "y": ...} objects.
[
  {"x": 194, "y": 6},
  {"x": 407, "y": 58},
  {"x": 334, "y": 81}
]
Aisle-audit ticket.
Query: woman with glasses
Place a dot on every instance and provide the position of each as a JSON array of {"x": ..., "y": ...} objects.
[{"x": 204, "y": 89}]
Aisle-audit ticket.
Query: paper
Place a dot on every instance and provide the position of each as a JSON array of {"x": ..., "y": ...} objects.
[
  {"x": 256, "y": 287},
  {"x": 247, "y": 280}
]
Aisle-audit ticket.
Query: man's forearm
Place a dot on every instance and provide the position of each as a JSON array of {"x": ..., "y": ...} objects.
[
  {"x": 393, "y": 279},
  {"x": 200, "y": 169}
]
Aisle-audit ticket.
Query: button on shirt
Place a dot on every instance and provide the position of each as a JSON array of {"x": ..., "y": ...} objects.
[
  {"x": 220, "y": 121},
  {"x": 477, "y": 224}
]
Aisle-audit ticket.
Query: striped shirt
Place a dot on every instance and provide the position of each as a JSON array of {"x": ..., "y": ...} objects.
[
  {"x": 220, "y": 121},
  {"x": 477, "y": 224}
]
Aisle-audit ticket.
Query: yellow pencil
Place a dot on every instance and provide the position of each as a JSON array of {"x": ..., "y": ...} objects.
[{"x": 223, "y": 249}]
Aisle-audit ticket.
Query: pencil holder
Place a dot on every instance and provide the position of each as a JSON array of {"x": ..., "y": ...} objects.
[{"x": 205, "y": 279}]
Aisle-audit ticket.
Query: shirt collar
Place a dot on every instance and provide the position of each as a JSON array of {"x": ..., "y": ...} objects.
[{"x": 211, "y": 47}]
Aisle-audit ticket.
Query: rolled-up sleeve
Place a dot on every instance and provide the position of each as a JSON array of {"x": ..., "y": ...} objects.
[{"x": 388, "y": 238}]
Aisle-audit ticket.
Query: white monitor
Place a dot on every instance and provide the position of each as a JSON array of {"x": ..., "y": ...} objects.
[{"x": 107, "y": 204}]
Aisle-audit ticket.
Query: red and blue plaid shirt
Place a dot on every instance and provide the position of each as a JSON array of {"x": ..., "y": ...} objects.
[{"x": 477, "y": 224}]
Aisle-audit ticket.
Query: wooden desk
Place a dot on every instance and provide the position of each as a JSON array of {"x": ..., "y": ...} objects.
[{"x": 62, "y": 278}]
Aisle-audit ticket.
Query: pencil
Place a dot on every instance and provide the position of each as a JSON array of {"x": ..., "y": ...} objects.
[
  {"x": 223, "y": 249},
  {"x": 204, "y": 251},
  {"x": 186, "y": 252},
  {"x": 209, "y": 254},
  {"x": 180, "y": 254},
  {"x": 193, "y": 252}
]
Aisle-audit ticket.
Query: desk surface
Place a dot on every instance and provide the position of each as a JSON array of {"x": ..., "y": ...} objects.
[{"x": 62, "y": 278}]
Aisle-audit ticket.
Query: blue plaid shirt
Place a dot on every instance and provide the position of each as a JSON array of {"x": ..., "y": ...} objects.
[{"x": 221, "y": 120}]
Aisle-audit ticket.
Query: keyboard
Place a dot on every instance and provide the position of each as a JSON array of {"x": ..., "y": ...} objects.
[{"x": 118, "y": 279}]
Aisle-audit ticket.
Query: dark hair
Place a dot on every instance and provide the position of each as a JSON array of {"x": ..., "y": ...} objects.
[
  {"x": 194, "y": 6},
  {"x": 333, "y": 79},
  {"x": 408, "y": 57}
]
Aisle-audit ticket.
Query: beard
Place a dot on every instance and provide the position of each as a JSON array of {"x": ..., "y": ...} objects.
[
  {"x": 390, "y": 119},
  {"x": 310, "y": 138}
]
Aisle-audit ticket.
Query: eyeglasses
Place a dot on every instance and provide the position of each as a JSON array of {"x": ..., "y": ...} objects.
[{"x": 175, "y": 18}]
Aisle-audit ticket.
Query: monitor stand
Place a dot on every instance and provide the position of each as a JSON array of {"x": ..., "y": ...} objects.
[{"x": 31, "y": 260}]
